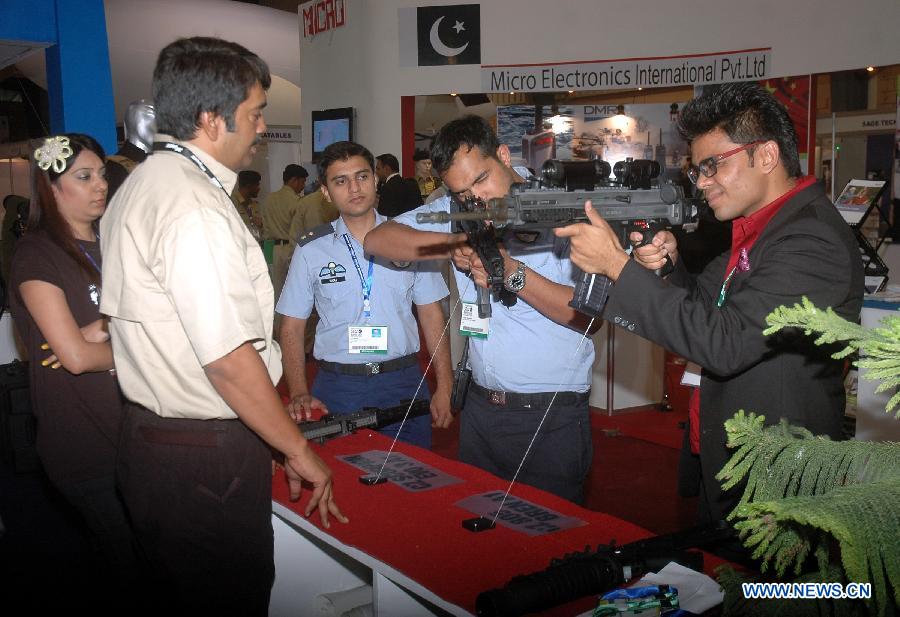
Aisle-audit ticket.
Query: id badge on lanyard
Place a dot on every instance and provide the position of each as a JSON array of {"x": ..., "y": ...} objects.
[
  {"x": 470, "y": 324},
  {"x": 365, "y": 338}
]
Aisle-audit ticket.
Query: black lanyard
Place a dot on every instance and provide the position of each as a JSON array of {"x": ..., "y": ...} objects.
[{"x": 168, "y": 146}]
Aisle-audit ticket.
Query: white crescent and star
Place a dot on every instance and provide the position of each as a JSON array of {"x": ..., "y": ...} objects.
[{"x": 439, "y": 45}]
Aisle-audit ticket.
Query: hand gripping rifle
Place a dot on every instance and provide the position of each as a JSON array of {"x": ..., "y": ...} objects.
[
  {"x": 588, "y": 572},
  {"x": 629, "y": 204},
  {"x": 332, "y": 426}
]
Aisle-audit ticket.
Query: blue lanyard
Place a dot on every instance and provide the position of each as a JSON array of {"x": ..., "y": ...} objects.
[
  {"x": 88, "y": 255},
  {"x": 366, "y": 282}
]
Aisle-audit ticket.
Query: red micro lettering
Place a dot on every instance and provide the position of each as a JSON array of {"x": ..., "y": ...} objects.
[
  {"x": 329, "y": 14},
  {"x": 322, "y": 16},
  {"x": 308, "y": 24}
]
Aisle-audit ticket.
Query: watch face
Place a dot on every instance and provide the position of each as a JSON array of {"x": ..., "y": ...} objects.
[{"x": 516, "y": 280}]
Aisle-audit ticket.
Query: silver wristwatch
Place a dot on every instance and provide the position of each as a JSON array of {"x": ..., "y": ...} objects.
[{"x": 515, "y": 282}]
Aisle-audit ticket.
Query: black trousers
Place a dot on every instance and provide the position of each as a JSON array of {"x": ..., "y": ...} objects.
[
  {"x": 495, "y": 438},
  {"x": 199, "y": 494}
]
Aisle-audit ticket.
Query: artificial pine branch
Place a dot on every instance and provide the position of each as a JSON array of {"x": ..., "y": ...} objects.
[
  {"x": 784, "y": 461},
  {"x": 881, "y": 346},
  {"x": 804, "y": 492},
  {"x": 862, "y": 518}
]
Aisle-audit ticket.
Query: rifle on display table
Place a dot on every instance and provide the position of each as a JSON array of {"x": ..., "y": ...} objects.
[
  {"x": 588, "y": 572},
  {"x": 629, "y": 203},
  {"x": 374, "y": 418}
]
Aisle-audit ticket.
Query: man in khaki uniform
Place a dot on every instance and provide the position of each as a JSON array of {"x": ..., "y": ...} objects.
[
  {"x": 244, "y": 197},
  {"x": 277, "y": 214},
  {"x": 191, "y": 308},
  {"x": 315, "y": 209}
]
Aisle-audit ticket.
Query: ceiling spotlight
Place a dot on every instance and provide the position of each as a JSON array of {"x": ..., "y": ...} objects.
[
  {"x": 639, "y": 89},
  {"x": 453, "y": 94},
  {"x": 512, "y": 91},
  {"x": 871, "y": 69},
  {"x": 571, "y": 92}
]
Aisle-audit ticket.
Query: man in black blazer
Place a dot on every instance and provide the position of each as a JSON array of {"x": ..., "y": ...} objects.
[
  {"x": 396, "y": 194},
  {"x": 788, "y": 241}
]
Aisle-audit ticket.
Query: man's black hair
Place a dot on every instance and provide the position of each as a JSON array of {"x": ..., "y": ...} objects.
[
  {"x": 746, "y": 112},
  {"x": 203, "y": 74},
  {"x": 342, "y": 151},
  {"x": 389, "y": 160},
  {"x": 421, "y": 154},
  {"x": 469, "y": 131},
  {"x": 248, "y": 177},
  {"x": 294, "y": 171}
]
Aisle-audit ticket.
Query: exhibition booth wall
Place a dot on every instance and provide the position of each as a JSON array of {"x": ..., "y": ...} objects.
[{"x": 359, "y": 63}]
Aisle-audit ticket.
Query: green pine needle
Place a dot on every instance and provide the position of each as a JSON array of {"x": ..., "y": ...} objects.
[{"x": 805, "y": 494}]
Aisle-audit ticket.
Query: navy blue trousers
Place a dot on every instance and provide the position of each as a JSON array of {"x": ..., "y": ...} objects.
[{"x": 344, "y": 394}]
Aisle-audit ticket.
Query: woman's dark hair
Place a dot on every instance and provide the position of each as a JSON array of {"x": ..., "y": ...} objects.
[
  {"x": 43, "y": 212},
  {"x": 746, "y": 112},
  {"x": 470, "y": 131},
  {"x": 203, "y": 74},
  {"x": 342, "y": 151}
]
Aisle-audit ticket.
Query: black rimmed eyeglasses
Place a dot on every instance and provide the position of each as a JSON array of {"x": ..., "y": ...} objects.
[{"x": 709, "y": 166}]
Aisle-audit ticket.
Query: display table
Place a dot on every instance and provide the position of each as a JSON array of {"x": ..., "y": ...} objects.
[{"x": 410, "y": 546}]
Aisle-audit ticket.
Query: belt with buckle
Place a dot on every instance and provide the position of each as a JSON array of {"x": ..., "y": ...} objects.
[
  {"x": 534, "y": 399},
  {"x": 370, "y": 368}
]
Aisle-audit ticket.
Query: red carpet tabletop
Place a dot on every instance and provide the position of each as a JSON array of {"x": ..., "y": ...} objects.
[{"x": 420, "y": 533}]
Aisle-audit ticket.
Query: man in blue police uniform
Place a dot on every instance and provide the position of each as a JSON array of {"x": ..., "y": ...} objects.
[
  {"x": 367, "y": 337},
  {"x": 523, "y": 354}
]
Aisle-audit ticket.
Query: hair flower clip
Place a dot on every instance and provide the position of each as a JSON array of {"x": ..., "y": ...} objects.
[{"x": 53, "y": 153}]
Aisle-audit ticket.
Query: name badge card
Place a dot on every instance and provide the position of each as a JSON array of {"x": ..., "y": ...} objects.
[
  {"x": 404, "y": 471},
  {"x": 519, "y": 515},
  {"x": 367, "y": 339},
  {"x": 470, "y": 324}
]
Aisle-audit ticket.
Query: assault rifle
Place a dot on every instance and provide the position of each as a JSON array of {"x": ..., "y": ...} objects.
[
  {"x": 332, "y": 426},
  {"x": 629, "y": 205},
  {"x": 588, "y": 572}
]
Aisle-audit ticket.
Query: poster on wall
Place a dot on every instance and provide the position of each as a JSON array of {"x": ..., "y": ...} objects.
[{"x": 595, "y": 131}]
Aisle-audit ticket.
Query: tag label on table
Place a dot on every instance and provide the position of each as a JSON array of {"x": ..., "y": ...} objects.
[
  {"x": 404, "y": 471},
  {"x": 518, "y": 514}
]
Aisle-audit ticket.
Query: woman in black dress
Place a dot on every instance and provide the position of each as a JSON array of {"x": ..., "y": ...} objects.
[{"x": 54, "y": 299}]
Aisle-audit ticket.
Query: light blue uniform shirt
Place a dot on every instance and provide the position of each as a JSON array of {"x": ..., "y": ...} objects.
[
  {"x": 525, "y": 351},
  {"x": 322, "y": 273}
]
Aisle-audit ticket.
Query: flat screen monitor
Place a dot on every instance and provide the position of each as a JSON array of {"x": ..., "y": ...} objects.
[
  {"x": 329, "y": 126},
  {"x": 858, "y": 198}
]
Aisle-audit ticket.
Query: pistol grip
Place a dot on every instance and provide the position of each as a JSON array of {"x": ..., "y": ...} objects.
[{"x": 647, "y": 234}]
